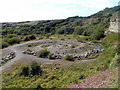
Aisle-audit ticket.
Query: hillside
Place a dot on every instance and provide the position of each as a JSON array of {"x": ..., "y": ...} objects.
[
  {"x": 51, "y": 26},
  {"x": 77, "y": 52},
  {"x": 97, "y": 23}
]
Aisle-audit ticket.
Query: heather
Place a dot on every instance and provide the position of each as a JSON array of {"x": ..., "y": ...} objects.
[
  {"x": 106, "y": 79},
  {"x": 100, "y": 73}
]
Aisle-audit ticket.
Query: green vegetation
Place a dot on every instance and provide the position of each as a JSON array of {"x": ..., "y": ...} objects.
[
  {"x": 78, "y": 30},
  {"x": 24, "y": 70},
  {"x": 98, "y": 34},
  {"x": 14, "y": 40},
  {"x": 43, "y": 53},
  {"x": 93, "y": 27},
  {"x": 11, "y": 35},
  {"x": 4, "y": 44},
  {"x": 60, "y": 31},
  {"x": 30, "y": 37},
  {"x": 65, "y": 30},
  {"x": 69, "y": 58},
  {"x": 71, "y": 74},
  {"x": 33, "y": 69},
  {"x": 56, "y": 76}
]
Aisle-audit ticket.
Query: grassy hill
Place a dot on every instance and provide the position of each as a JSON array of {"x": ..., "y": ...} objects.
[
  {"x": 97, "y": 23},
  {"x": 105, "y": 68},
  {"x": 101, "y": 73}
]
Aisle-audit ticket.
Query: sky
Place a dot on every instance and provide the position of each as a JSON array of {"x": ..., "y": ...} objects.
[{"x": 28, "y": 10}]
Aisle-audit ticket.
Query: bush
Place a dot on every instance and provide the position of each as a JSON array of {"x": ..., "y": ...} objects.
[
  {"x": 68, "y": 30},
  {"x": 102, "y": 68},
  {"x": 98, "y": 35},
  {"x": 39, "y": 87},
  {"x": 4, "y": 44},
  {"x": 11, "y": 35},
  {"x": 32, "y": 37},
  {"x": 35, "y": 69},
  {"x": 25, "y": 70},
  {"x": 86, "y": 33},
  {"x": 29, "y": 45},
  {"x": 26, "y": 39},
  {"x": 60, "y": 31},
  {"x": 65, "y": 30},
  {"x": 14, "y": 40},
  {"x": 117, "y": 60},
  {"x": 43, "y": 53},
  {"x": 79, "y": 39},
  {"x": 69, "y": 58},
  {"x": 78, "y": 30}
]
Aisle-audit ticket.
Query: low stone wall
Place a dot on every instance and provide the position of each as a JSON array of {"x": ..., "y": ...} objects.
[{"x": 8, "y": 57}]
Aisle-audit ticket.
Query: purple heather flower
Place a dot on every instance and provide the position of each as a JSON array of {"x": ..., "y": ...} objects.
[{"x": 104, "y": 82}]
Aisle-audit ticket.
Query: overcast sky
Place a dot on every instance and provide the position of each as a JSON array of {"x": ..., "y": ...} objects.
[{"x": 27, "y": 10}]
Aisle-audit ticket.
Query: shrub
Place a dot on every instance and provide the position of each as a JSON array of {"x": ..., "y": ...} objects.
[
  {"x": 32, "y": 37},
  {"x": 68, "y": 30},
  {"x": 60, "y": 31},
  {"x": 102, "y": 68},
  {"x": 14, "y": 40},
  {"x": 98, "y": 35},
  {"x": 25, "y": 70},
  {"x": 35, "y": 69},
  {"x": 26, "y": 39},
  {"x": 39, "y": 87},
  {"x": 65, "y": 30},
  {"x": 43, "y": 53},
  {"x": 79, "y": 39},
  {"x": 86, "y": 33},
  {"x": 69, "y": 58},
  {"x": 11, "y": 35},
  {"x": 78, "y": 30},
  {"x": 29, "y": 45},
  {"x": 117, "y": 60},
  {"x": 4, "y": 44},
  {"x": 82, "y": 77},
  {"x": 94, "y": 41}
]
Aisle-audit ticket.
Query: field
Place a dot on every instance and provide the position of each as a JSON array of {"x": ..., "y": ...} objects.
[
  {"x": 62, "y": 73},
  {"x": 76, "y": 52}
]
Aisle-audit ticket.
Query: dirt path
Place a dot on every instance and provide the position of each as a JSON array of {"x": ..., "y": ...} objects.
[{"x": 20, "y": 57}]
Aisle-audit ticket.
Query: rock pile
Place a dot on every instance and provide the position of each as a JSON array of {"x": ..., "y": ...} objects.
[
  {"x": 30, "y": 52},
  {"x": 88, "y": 54},
  {"x": 57, "y": 56},
  {"x": 8, "y": 57}
]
